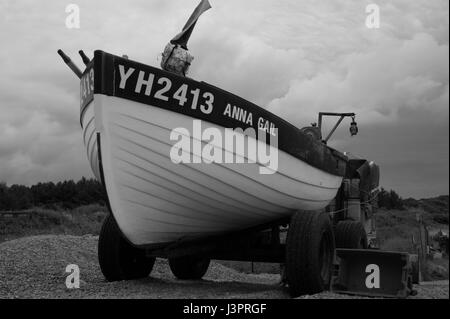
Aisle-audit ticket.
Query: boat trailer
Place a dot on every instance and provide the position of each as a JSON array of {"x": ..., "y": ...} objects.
[{"x": 364, "y": 272}]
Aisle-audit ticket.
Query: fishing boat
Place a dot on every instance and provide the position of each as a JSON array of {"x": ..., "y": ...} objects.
[
  {"x": 193, "y": 173},
  {"x": 135, "y": 107}
]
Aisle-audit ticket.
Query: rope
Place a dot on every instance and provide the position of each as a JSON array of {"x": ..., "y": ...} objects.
[{"x": 361, "y": 203}]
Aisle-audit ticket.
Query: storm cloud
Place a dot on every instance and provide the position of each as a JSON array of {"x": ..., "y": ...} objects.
[{"x": 294, "y": 58}]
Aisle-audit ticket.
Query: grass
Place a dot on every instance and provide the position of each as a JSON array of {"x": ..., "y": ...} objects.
[
  {"x": 79, "y": 221},
  {"x": 397, "y": 228}
]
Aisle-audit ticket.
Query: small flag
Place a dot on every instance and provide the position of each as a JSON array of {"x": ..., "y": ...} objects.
[{"x": 183, "y": 37}]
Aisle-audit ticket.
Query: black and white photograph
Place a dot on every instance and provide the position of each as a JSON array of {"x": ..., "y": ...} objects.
[{"x": 224, "y": 153}]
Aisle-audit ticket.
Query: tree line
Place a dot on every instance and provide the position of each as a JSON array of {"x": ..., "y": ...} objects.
[
  {"x": 66, "y": 194},
  {"x": 70, "y": 194}
]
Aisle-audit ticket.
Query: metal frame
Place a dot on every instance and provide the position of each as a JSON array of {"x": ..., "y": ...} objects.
[
  {"x": 259, "y": 244},
  {"x": 342, "y": 116}
]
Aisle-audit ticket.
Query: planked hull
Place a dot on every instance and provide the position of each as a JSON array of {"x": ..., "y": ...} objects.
[{"x": 155, "y": 200}]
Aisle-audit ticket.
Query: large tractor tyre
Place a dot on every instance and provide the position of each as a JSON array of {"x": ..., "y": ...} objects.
[
  {"x": 118, "y": 259},
  {"x": 309, "y": 253},
  {"x": 350, "y": 234},
  {"x": 189, "y": 267}
]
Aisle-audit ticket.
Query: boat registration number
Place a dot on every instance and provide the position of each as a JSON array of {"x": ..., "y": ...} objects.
[
  {"x": 163, "y": 89},
  {"x": 87, "y": 88}
]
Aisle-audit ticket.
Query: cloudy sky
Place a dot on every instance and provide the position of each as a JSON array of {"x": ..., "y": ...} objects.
[{"x": 293, "y": 57}]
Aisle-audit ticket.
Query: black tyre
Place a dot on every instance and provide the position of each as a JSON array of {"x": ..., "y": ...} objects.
[
  {"x": 189, "y": 267},
  {"x": 309, "y": 253},
  {"x": 118, "y": 259},
  {"x": 350, "y": 234}
]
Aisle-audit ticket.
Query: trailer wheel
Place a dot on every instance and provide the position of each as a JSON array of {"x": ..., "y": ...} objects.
[
  {"x": 351, "y": 234},
  {"x": 309, "y": 253},
  {"x": 189, "y": 267},
  {"x": 118, "y": 259}
]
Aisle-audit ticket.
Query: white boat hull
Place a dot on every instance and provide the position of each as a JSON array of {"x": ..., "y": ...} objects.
[
  {"x": 128, "y": 111},
  {"x": 156, "y": 201}
]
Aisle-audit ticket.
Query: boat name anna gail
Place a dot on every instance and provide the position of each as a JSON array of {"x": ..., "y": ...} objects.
[
  {"x": 236, "y": 145},
  {"x": 246, "y": 117},
  {"x": 203, "y": 101}
]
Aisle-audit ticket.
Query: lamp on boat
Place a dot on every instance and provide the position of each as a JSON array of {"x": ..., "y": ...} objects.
[{"x": 353, "y": 127}]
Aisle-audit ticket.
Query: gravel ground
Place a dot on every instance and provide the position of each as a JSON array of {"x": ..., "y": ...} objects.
[{"x": 34, "y": 267}]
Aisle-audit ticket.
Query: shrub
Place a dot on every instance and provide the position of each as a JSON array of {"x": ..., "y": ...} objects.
[
  {"x": 436, "y": 270},
  {"x": 389, "y": 200}
]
